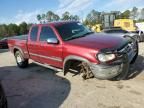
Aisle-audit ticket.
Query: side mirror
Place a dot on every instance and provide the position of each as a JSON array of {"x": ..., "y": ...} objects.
[{"x": 52, "y": 41}]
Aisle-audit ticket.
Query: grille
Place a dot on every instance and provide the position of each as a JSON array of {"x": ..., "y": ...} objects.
[{"x": 127, "y": 48}]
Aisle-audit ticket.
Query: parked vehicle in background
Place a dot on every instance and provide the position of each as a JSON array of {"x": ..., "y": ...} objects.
[
  {"x": 125, "y": 24},
  {"x": 70, "y": 46},
  {"x": 3, "y": 100},
  {"x": 140, "y": 31},
  {"x": 117, "y": 31},
  {"x": 3, "y": 43},
  {"x": 140, "y": 35},
  {"x": 140, "y": 26}
]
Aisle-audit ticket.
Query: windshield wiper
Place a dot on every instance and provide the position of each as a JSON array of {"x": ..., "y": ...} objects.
[
  {"x": 88, "y": 33},
  {"x": 75, "y": 37}
]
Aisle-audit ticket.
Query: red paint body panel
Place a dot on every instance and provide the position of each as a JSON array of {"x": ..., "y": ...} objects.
[
  {"x": 85, "y": 47},
  {"x": 19, "y": 44}
]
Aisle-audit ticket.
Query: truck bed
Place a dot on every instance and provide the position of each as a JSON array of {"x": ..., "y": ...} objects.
[
  {"x": 21, "y": 37},
  {"x": 19, "y": 42}
]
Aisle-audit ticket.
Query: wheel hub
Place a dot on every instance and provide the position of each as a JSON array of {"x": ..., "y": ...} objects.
[{"x": 19, "y": 59}]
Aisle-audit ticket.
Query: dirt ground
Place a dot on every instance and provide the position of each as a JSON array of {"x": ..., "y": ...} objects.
[{"x": 39, "y": 87}]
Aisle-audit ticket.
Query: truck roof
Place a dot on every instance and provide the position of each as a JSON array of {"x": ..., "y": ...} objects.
[{"x": 55, "y": 23}]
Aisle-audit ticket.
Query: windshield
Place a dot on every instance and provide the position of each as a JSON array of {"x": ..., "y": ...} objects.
[{"x": 72, "y": 30}]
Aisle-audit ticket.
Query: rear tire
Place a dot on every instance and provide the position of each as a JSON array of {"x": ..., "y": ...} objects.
[{"x": 20, "y": 60}]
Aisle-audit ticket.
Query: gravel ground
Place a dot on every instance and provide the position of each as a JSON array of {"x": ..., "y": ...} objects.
[{"x": 39, "y": 87}]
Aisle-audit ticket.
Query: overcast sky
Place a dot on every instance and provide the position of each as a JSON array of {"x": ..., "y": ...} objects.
[{"x": 17, "y": 11}]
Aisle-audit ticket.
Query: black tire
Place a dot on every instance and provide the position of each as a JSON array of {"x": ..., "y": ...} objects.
[{"x": 20, "y": 60}]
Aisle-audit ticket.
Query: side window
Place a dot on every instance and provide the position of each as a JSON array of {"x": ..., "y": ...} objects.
[
  {"x": 46, "y": 33},
  {"x": 33, "y": 34}
]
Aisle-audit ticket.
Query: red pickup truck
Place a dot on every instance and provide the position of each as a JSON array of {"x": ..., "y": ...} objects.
[{"x": 72, "y": 47}]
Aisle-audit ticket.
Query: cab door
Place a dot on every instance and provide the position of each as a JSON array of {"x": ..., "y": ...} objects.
[
  {"x": 50, "y": 52},
  {"x": 33, "y": 45}
]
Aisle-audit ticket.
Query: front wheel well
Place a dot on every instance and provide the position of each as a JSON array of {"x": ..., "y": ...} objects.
[
  {"x": 15, "y": 50},
  {"x": 78, "y": 67},
  {"x": 71, "y": 64}
]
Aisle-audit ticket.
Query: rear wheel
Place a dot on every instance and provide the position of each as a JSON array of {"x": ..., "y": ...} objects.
[{"x": 21, "y": 61}]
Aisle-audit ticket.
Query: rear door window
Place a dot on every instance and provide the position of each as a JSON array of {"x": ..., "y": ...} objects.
[{"x": 34, "y": 33}]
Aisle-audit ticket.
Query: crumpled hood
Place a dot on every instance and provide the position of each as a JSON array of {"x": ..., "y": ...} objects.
[{"x": 98, "y": 41}]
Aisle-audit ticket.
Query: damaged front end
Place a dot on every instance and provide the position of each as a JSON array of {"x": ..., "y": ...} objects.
[{"x": 114, "y": 63}]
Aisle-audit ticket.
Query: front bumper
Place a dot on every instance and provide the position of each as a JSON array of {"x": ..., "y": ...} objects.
[
  {"x": 120, "y": 66},
  {"x": 109, "y": 71}
]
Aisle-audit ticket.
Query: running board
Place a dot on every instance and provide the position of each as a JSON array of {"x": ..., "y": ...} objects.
[{"x": 48, "y": 66}]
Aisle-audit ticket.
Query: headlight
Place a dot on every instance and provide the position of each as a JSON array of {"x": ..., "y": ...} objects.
[{"x": 106, "y": 57}]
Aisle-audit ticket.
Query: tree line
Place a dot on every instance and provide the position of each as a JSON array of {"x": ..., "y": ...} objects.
[
  {"x": 51, "y": 16},
  {"x": 92, "y": 18},
  {"x": 95, "y": 17},
  {"x": 14, "y": 29}
]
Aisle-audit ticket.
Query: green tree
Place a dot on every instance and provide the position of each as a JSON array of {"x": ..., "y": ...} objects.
[
  {"x": 13, "y": 30},
  {"x": 134, "y": 13},
  {"x": 74, "y": 18},
  {"x": 94, "y": 17},
  {"x": 51, "y": 16},
  {"x": 39, "y": 18},
  {"x": 3, "y": 30},
  {"x": 43, "y": 17},
  {"x": 66, "y": 16},
  {"x": 23, "y": 28},
  {"x": 125, "y": 14},
  {"x": 56, "y": 17}
]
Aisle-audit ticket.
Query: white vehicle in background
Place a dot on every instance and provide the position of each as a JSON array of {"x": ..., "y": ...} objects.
[
  {"x": 140, "y": 35},
  {"x": 140, "y": 31},
  {"x": 140, "y": 26}
]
